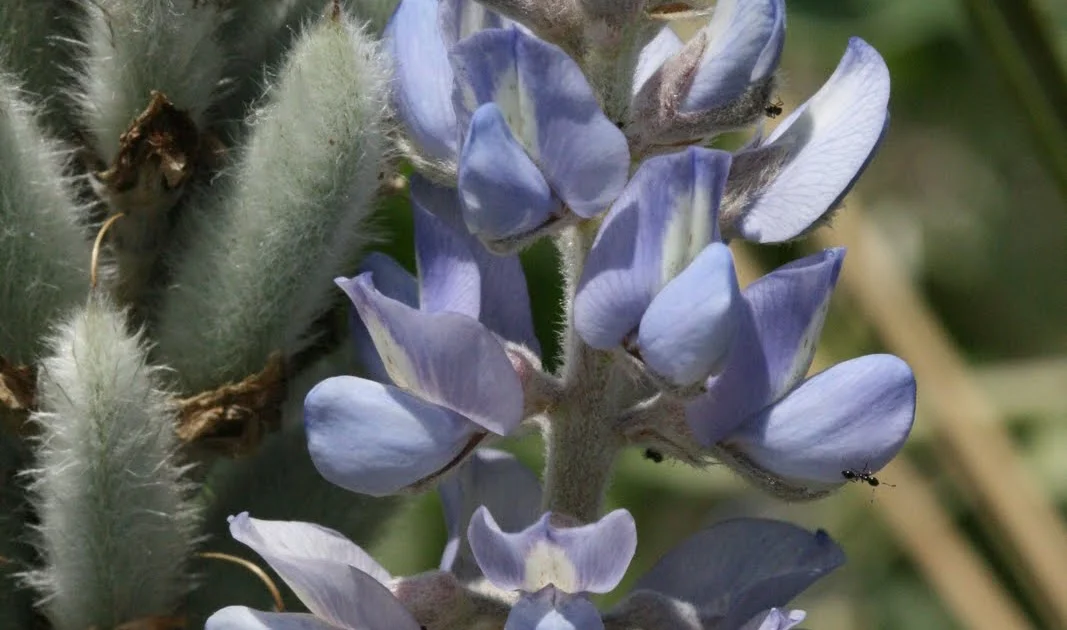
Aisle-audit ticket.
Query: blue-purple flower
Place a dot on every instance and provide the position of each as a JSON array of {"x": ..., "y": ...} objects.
[
  {"x": 659, "y": 282},
  {"x": 733, "y": 575},
  {"x": 493, "y": 479},
  {"x": 380, "y": 437},
  {"x": 339, "y": 583},
  {"x": 760, "y": 410},
  {"x": 343, "y": 587},
  {"x": 718, "y": 81},
  {"x": 783, "y": 186},
  {"x": 530, "y": 143},
  {"x": 419, "y": 36},
  {"x": 583, "y": 117}
]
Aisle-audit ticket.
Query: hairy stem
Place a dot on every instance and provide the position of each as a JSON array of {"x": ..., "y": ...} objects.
[
  {"x": 580, "y": 440},
  {"x": 574, "y": 245},
  {"x": 581, "y": 449}
]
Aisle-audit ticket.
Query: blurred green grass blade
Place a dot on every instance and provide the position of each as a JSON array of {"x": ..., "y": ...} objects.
[{"x": 1015, "y": 34}]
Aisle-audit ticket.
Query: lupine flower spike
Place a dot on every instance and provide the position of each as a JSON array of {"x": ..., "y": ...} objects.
[{"x": 593, "y": 124}]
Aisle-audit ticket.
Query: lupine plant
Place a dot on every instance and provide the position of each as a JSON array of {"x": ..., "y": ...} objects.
[
  {"x": 225, "y": 156},
  {"x": 593, "y": 124},
  {"x": 179, "y": 183}
]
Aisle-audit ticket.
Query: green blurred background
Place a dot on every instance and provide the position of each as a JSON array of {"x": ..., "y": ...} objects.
[{"x": 968, "y": 189}]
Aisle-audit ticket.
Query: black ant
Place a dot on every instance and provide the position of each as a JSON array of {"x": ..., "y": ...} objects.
[
  {"x": 864, "y": 476},
  {"x": 774, "y": 109},
  {"x": 654, "y": 455}
]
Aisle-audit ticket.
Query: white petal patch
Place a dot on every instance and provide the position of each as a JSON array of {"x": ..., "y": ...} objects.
[
  {"x": 518, "y": 109},
  {"x": 393, "y": 355},
  {"x": 804, "y": 351},
  {"x": 470, "y": 99},
  {"x": 548, "y": 564},
  {"x": 690, "y": 229},
  {"x": 472, "y": 19}
]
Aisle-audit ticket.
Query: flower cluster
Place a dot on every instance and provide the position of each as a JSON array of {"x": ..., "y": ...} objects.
[
  {"x": 734, "y": 574},
  {"x": 590, "y": 122}
]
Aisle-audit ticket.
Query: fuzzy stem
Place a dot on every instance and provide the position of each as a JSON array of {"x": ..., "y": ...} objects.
[
  {"x": 573, "y": 245},
  {"x": 581, "y": 451},
  {"x": 580, "y": 442}
]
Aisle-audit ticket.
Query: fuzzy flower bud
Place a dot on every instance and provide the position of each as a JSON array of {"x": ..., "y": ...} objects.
[
  {"x": 263, "y": 248},
  {"x": 43, "y": 252},
  {"x": 116, "y": 526}
]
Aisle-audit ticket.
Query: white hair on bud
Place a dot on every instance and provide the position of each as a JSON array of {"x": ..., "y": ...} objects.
[
  {"x": 116, "y": 523},
  {"x": 133, "y": 47},
  {"x": 263, "y": 247},
  {"x": 44, "y": 255}
]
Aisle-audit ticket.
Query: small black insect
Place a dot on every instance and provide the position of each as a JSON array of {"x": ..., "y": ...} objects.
[
  {"x": 864, "y": 476},
  {"x": 654, "y": 455},
  {"x": 774, "y": 109}
]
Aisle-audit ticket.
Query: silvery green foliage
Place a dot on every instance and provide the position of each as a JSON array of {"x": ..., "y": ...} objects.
[
  {"x": 259, "y": 33},
  {"x": 262, "y": 251},
  {"x": 116, "y": 523},
  {"x": 290, "y": 201},
  {"x": 44, "y": 257},
  {"x": 38, "y": 220},
  {"x": 136, "y": 46}
]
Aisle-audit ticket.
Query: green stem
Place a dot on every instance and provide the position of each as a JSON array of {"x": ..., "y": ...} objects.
[
  {"x": 580, "y": 442},
  {"x": 581, "y": 450}
]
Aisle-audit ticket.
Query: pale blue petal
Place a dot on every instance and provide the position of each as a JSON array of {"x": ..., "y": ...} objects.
[
  {"x": 663, "y": 46},
  {"x": 822, "y": 147},
  {"x": 503, "y": 485},
  {"x": 776, "y": 340},
  {"x": 449, "y": 279},
  {"x": 551, "y": 110},
  {"x": 667, "y": 214},
  {"x": 375, "y": 439},
  {"x": 688, "y": 329},
  {"x": 439, "y": 200},
  {"x": 505, "y": 302},
  {"x": 854, "y": 416},
  {"x": 503, "y": 192},
  {"x": 445, "y": 358},
  {"x": 422, "y": 90},
  {"x": 584, "y": 156},
  {"x": 591, "y": 558},
  {"x": 550, "y": 609},
  {"x": 392, "y": 280},
  {"x": 244, "y": 618},
  {"x": 790, "y": 306},
  {"x": 744, "y": 41},
  {"x": 737, "y": 568},
  {"x": 305, "y": 545},
  {"x": 333, "y": 589}
]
